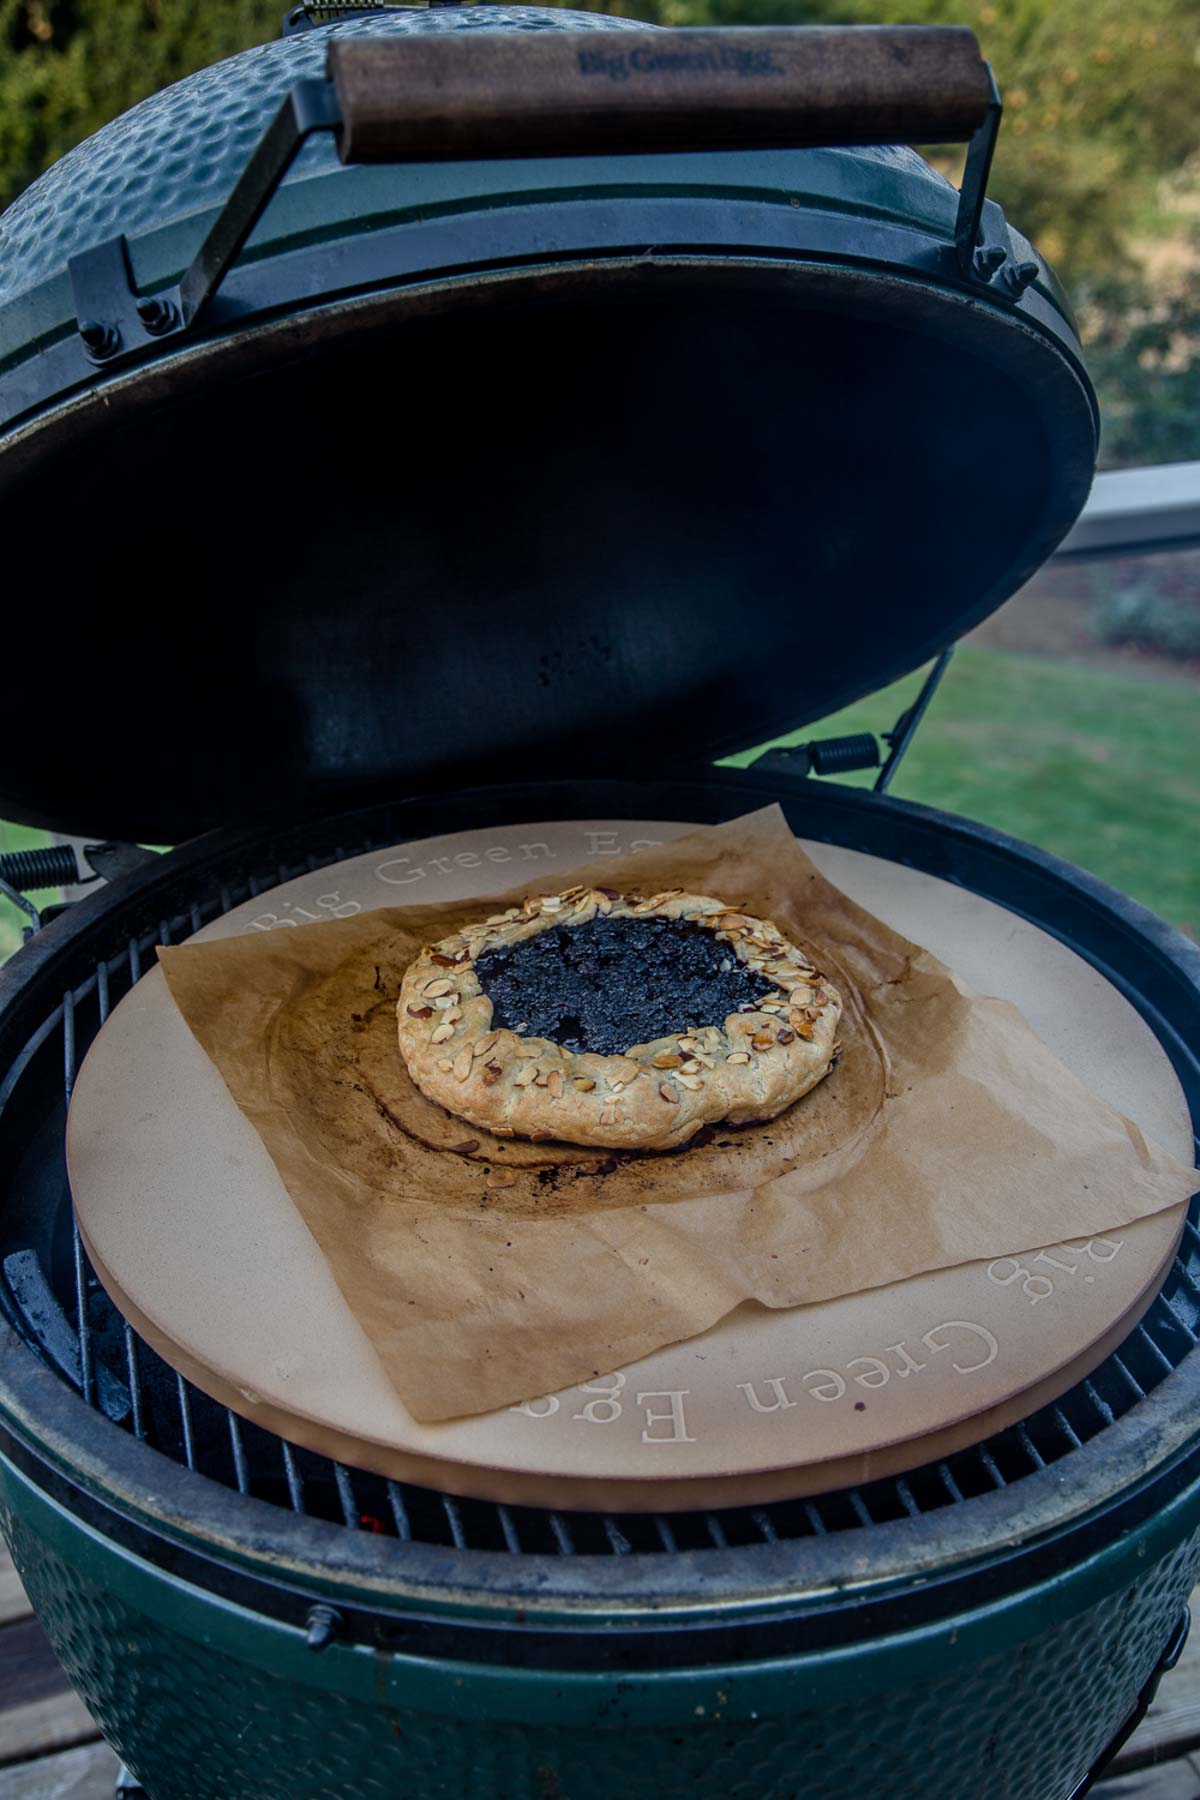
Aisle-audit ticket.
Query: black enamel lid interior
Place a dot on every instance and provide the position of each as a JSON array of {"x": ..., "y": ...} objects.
[{"x": 605, "y": 514}]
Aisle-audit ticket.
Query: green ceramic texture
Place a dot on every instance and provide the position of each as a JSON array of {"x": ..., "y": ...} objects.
[
  {"x": 159, "y": 173},
  {"x": 208, "y": 1703}
]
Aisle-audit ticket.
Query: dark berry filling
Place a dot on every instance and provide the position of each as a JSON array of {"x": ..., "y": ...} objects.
[{"x": 612, "y": 983}]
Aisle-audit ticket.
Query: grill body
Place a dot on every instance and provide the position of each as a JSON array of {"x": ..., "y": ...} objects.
[
  {"x": 982, "y": 1627},
  {"x": 207, "y": 1701}
]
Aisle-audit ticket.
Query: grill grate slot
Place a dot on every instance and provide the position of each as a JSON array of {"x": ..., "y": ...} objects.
[{"x": 165, "y": 1411}]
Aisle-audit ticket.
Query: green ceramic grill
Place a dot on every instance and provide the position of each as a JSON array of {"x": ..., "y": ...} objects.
[{"x": 447, "y": 419}]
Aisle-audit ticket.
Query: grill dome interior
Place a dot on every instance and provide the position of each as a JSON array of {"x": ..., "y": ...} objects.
[{"x": 608, "y": 519}]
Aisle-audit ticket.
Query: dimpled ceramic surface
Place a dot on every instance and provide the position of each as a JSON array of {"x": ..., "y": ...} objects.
[
  {"x": 190, "y": 1228},
  {"x": 207, "y": 1706}
]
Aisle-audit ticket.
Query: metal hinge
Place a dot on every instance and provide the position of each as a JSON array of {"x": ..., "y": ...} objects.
[
  {"x": 25, "y": 872},
  {"x": 835, "y": 756}
]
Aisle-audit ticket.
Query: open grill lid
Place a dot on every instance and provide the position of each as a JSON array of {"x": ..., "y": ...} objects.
[{"x": 595, "y": 444}]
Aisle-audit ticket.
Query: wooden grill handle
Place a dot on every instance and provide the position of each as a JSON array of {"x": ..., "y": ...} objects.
[{"x": 546, "y": 93}]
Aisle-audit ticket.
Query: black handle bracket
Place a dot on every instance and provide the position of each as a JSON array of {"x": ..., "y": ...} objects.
[{"x": 116, "y": 323}]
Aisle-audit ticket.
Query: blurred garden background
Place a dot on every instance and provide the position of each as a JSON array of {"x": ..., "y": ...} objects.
[{"x": 1073, "y": 718}]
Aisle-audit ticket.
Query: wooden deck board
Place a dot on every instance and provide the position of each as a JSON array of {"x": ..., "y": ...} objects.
[
  {"x": 1178, "y": 1780},
  {"x": 86, "y": 1773},
  {"x": 13, "y": 1604}
]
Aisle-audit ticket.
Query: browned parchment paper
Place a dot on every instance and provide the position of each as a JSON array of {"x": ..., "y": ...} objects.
[{"x": 489, "y": 1271}]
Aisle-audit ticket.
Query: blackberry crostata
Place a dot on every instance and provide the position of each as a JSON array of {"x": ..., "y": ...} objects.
[{"x": 601, "y": 1018}]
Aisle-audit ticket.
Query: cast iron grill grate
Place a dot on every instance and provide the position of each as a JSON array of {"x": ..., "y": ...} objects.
[{"x": 95, "y": 1349}]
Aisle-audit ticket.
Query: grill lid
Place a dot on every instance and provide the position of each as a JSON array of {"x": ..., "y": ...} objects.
[{"x": 521, "y": 462}]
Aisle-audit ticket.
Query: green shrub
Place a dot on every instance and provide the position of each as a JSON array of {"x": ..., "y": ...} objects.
[{"x": 1152, "y": 621}]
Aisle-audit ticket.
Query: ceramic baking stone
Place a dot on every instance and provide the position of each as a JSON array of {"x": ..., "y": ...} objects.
[{"x": 191, "y": 1231}]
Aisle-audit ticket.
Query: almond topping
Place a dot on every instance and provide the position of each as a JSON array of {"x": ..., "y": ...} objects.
[
  {"x": 419, "y": 1012},
  {"x": 442, "y": 1033},
  {"x": 583, "y": 1084},
  {"x": 492, "y": 1073},
  {"x": 444, "y": 1066},
  {"x": 443, "y": 962},
  {"x": 762, "y": 1040},
  {"x": 665, "y": 1060},
  {"x": 555, "y": 1082},
  {"x": 785, "y": 1036},
  {"x": 687, "y": 1043},
  {"x": 485, "y": 1043},
  {"x": 668, "y": 1092},
  {"x": 462, "y": 1063},
  {"x": 691, "y": 1067},
  {"x": 433, "y": 988},
  {"x": 738, "y": 1056},
  {"x": 690, "y": 1081},
  {"x": 524, "y": 1076},
  {"x": 805, "y": 1030}
]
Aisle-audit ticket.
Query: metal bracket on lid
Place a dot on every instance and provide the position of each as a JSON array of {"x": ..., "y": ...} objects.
[
  {"x": 116, "y": 322},
  {"x": 982, "y": 246}
]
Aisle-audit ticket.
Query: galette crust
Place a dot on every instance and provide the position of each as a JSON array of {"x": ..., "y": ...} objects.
[{"x": 748, "y": 1066}]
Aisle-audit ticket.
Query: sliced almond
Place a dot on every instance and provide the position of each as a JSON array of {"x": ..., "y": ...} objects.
[
  {"x": 762, "y": 1040},
  {"x": 668, "y": 1092},
  {"x": 462, "y": 1063},
  {"x": 687, "y": 1043},
  {"x": 524, "y": 1077},
  {"x": 443, "y": 962},
  {"x": 805, "y": 1030},
  {"x": 444, "y": 1066},
  {"x": 419, "y": 1012},
  {"x": 442, "y": 1033},
  {"x": 485, "y": 1043},
  {"x": 583, "y": 1084},
  {"x": 555, "y": 1082},
  {"x": 693, "y": 1082},
  {"x": 440, "y": 986},
  {"x": 666, "y": 1060},
  {"x": 738, "y": 1056},
  {"x": 691, "y": 1067}
]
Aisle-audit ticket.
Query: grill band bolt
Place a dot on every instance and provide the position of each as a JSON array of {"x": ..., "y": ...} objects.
[
  {"x": 324, "y": 1625},
  {"x": 101, "y": 340},
  {"x": 158, "y": 314}
]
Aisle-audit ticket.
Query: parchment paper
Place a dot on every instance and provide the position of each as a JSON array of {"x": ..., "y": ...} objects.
[{"x": 489, "y": 1271}]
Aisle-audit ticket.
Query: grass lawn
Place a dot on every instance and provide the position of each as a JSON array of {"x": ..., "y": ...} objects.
[{"x": 1103, "y": 769}]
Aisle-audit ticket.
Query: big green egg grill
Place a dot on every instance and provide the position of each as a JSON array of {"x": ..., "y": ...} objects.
[{"x": 443, "y": 419}]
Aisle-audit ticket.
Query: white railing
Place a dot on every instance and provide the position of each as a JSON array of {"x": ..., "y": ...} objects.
[{"x": 1133, "y": 511}]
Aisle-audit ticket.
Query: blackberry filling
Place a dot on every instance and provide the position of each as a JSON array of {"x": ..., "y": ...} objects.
[{"x": 612, "y": 983}]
